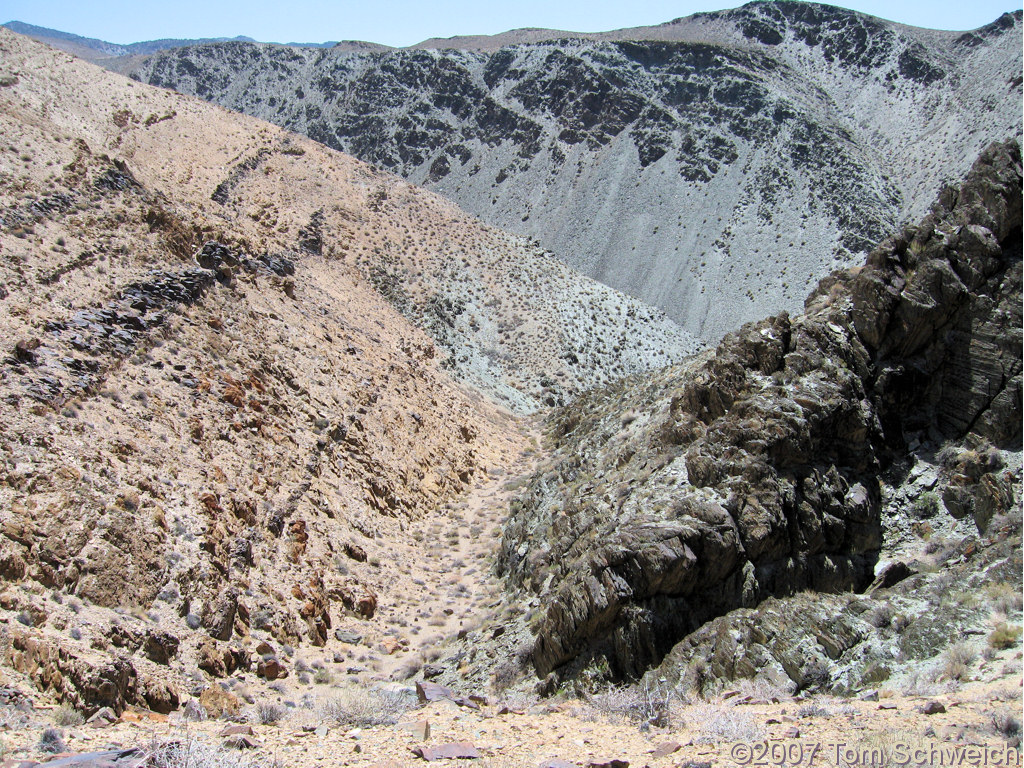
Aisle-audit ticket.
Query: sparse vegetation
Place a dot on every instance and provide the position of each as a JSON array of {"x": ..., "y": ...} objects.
[
  {"x": 722, "y": 724},
  {"x": 1004, "y": 636},
  {"x": 51, "y": 741},
  {"x": 67, "y": 716},
  {"x": 957, "y": 660},
  {"x": 641, "y": 704},
  {"x": 268, "y": 713},
  {"x": 356, "y": 706},
  {"x": 191, "y": 752}
]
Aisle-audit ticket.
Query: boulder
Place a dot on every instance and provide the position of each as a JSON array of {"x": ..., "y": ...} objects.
[{"x": 161, "y": 646}]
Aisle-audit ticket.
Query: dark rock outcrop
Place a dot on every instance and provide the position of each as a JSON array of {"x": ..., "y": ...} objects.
[{"x": 754, "y": 471}]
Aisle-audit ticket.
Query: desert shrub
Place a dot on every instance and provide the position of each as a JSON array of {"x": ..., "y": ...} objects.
[
  {"x": 957, "y": 660},
  {"x": 1007, "y": 724},
  {"x": 364, "y": 707},
  {"x": 66, "y": 715},
  {"x": 947, "y": 455},
  {"x": 322, "y": 677},
  {"x": 1005, "y": 597},
  {"x": 1004, "y": 636},
  {"x": 268, "y": 713},
  {"x": 880, "y": 616},
  {"x": 814, "y": 709},
  {"x": 505, "y": 674},
  {"x": 192, "y": 753},
  {"x": 51, "y": 741},
  {"x": 721, "y": 724},
  {"x": 815, "y": 677},
  {"x": 926, "y": 505},
  {"x": 641, "y": 704},
  {"x": 12, "y": 718}
]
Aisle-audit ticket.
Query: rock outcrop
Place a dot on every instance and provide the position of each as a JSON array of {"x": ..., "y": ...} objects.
[
  {"x": 715, "y": 166},
  {"x": 754, "y": 471}
]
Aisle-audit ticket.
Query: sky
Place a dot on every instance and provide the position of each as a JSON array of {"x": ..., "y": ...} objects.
[{"x": 404, "y": 22}]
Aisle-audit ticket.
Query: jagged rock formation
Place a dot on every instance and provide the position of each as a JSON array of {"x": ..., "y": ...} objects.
[
  {"x": 754, "y": 470},
  {"x": 715, "y": 166},
  {"x": 213, "y": 420},
  {"x": 845, "y": 643}
]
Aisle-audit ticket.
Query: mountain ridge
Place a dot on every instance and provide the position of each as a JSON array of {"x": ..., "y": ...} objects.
[
  {"x": 91, "y": 48},
  {"x": 717, "y": 174}
]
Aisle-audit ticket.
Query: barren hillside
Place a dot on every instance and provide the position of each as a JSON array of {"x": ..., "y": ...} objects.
[{"x": 217, "y": 428}]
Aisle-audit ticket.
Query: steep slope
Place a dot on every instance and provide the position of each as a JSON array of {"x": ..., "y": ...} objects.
[
  {"x": 715, "y": 166},
  {"x": 215, "y": 426},
  {"x": 755, "y": 470}
]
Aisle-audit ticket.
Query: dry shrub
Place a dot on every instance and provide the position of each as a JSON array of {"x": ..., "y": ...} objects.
[
  {"x": 1004, "y": 636},
  {"x": 957, "y": 660},
  {"x": 641, "y": 704},
  {"x": 193, "y": 753},
  {"x": 364, "y": 707},
  {"x": 722, "y": 724},
  {"x": 268, "y": 713}
]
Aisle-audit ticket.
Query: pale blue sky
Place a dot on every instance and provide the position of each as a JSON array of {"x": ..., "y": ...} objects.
[{"x": 404, "y": 22}]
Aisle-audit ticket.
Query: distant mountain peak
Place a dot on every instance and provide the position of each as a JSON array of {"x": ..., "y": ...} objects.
[{"x": 93, "y": 49}]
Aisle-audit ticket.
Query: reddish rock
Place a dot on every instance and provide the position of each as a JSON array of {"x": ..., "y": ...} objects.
[
  {"x": 270, "y": 668},
  {"x": 428, "y": 692},
  {"x": 161, "y": 646},
  {"x": 241, "y": 741},
  {"x": 264, "y": 648},
  {"x": 932, "y": 708},
  {"x": 461, "y": 750},
  {"x": 102, "y": 718},
  {"x": 665, "y": 748}
]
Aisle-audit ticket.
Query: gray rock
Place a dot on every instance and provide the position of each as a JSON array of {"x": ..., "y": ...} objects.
[
  {"x": 219, "y": 616},
  {"x": 348, "y": 636}
]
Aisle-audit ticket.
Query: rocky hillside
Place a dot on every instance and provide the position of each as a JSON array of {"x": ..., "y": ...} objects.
[
  {"x": 776, "y": 463},
  {"x": 216, "y": 427},
  {"x": 716, "y": 166}
]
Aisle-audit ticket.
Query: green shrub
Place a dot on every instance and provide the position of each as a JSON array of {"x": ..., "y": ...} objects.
[{"x": 1004, "y": 636}]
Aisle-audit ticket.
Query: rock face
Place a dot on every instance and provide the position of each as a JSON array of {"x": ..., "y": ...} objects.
[
  {"x": 754, "y": 471},
  {"x": 715, "y": 166}
]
